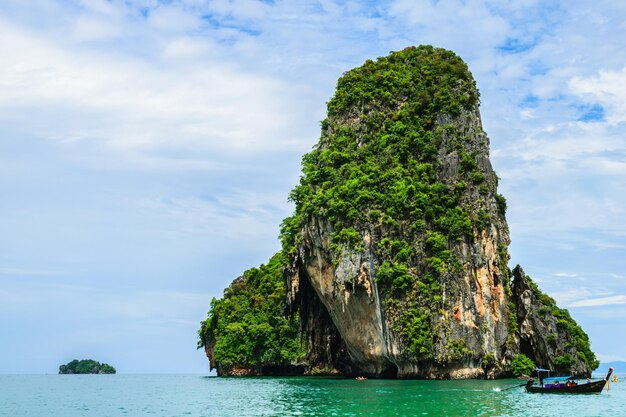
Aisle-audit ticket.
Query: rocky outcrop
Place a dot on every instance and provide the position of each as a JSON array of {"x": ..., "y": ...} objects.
[
  {"x": 396, "y": 256},
  {"x": 326, "y": 351},
  {"x": 547, "y": 334}
]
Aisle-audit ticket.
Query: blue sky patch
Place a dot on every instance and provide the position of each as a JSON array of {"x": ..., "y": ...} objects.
[
  {"x": 530, "y": 101},
  {"x": 515, "y": 46},
  {"x": 537, "y": 68},
  {"x": 230, "y": 24},
  {"x": 591, "y": 113}
]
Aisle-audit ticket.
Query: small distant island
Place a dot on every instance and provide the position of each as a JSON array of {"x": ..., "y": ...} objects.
[{"x": 86, "y": 366}]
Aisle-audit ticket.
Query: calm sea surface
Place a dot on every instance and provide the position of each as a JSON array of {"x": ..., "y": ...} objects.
[{"x": 193, "y": 395}]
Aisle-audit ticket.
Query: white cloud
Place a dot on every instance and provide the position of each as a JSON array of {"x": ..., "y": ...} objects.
[
  {"x": 126, "y": 103},
  {"x": 596, "y": 302},
  {"x": 463, "y": 32},
  {"x": 29, "y": 272},
  {"x": 241, "y": 9},
  {"x": 610, "y": 358},
  {"x": 90, "y": 29},
  {"x": 103, "y": 7},
  {"x": 565, "y": 274},
  {"x": 223, "y": 217},
  {"x": 33, "y": 295},
  {"x": 607, "y": 88},
  {"x": 173, "y": 19},
  {"x": 567, "y": 296}
]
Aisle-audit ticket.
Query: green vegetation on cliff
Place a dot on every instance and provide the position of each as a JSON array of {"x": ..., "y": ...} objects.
[
  {"x": 86, "y": 366},
  {"x": 245, "y": 328},
  {"x": 376, "y": 168},
  {"x": 522, "y": 365},
  {"x": 377, "y": 160}
]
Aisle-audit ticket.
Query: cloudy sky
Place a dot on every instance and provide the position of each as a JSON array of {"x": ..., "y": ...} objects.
[{"x": 147, "y": 149}]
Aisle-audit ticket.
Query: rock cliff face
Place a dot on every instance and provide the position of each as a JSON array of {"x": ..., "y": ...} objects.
[
  {"x": 463, "y": 314},
  {"x": 397, "y": 251},
  {"x": 400, "y": 231},
  {"x": 547, "y": 334}
]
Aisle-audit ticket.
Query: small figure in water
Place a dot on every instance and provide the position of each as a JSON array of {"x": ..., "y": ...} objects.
[{"x": 360, "y": 378}]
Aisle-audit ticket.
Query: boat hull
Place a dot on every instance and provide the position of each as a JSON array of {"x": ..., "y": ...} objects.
[
  {"x": 588, "y": 388},
  {"x": 592, "y": 387}
]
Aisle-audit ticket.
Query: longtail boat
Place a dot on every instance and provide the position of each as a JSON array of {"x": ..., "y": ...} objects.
[{"x": 563, "y": 385}]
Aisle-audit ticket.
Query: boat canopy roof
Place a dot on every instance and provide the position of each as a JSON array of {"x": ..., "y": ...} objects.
[
  {"x": 542, "y": 370},
  {"x": 558, "y": 378}
]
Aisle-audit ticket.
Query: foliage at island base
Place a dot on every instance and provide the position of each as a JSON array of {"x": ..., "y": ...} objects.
[
  {"x": 245, "y": 332},
  {"x": 522, "y": 365}
]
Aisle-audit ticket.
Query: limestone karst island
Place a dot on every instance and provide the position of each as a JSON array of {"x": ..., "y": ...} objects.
[
  {"x": 86, "y": 366},
  {"x": 395, "y": 261}
]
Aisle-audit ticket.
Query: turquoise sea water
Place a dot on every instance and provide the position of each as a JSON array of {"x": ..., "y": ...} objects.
[{"x": 193, "y": 395}]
